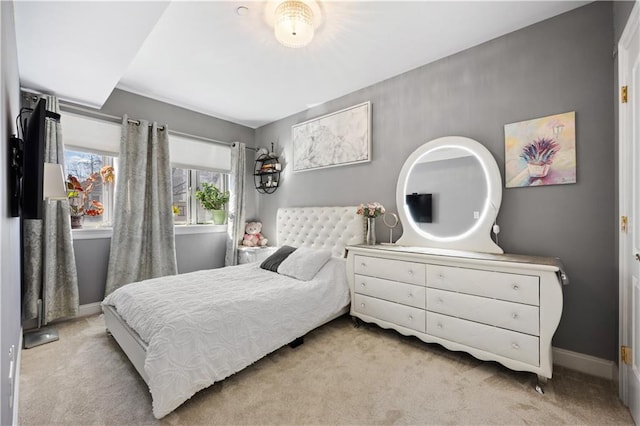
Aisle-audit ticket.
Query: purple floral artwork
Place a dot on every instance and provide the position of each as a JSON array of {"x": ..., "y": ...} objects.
[{"x": 541, "y": 151}]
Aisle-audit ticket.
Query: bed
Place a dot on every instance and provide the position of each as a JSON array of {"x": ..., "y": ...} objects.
[{"x": 185, "y": 332}]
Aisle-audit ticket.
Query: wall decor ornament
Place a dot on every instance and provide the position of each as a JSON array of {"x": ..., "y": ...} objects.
[
  {"x": 541, "y": 151},
  {"x": 336, "y": 139}
]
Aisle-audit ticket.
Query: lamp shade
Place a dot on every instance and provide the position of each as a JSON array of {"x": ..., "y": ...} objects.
[
  {"x": 54, "y": 187},
  {"x": 293, "y": 24}
]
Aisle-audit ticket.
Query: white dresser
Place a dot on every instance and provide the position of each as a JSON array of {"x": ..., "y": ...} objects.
[{"x": 497, "y": 307}]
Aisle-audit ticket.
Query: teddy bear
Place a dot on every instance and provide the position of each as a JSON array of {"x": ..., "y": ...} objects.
[{"x": 252, "y": 236}]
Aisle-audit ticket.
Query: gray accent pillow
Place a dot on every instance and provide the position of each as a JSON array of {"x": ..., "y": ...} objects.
[{"x": 272, "y": 262}]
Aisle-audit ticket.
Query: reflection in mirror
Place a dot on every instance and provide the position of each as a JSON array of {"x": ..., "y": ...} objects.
[
  {"x": 454, "y": 181},
  {"x": 448, "y": 195}
]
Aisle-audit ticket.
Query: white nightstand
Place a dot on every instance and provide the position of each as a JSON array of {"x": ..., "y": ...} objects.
[{"x": 254, "y": 254}]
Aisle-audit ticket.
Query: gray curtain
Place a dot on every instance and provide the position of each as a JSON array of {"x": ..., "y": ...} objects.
[
  {"x": 143, "y": 244},
  {"x": 235, "y": 227},
  {"x": 49, "y": 261}
]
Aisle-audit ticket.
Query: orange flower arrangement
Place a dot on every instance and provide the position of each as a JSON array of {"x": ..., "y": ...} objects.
[{"x": 78, "y": 192}]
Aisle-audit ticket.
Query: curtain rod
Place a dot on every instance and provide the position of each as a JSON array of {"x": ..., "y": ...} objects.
[{"x": 86, "y": 111}]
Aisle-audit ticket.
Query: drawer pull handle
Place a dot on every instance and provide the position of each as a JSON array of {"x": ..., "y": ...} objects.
[
  {"x": 439, "y": 325},
  {"x": 410, "y": 294},
  {"x": 515, "y": 346},
  {"x": 362, "y": 305},
  {"x": 516, "y": 287},
  {"x": 410, "y": 271},
  {"x": 364, "y": 265},
  {"x": 440, "y": 275},
  {"x": 440, "y": 300},
  {"x": 514, "y": 315},
  {"x": 363, "y": 284},
  {"x": 410, "y": 317}
]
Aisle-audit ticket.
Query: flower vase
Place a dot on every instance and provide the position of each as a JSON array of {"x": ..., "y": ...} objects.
[
  {"x": 76, "y": 222},
  {"x": 371, "y": 231}
]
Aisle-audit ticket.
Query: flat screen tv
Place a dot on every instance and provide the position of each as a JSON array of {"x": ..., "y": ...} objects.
[
  {"x": 33, "y": 162},
  {"x": 420, "y": 207}
]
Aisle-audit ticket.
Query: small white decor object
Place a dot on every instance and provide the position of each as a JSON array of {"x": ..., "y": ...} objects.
[
  {"x": 391, "y": 220},
  {"x": 337, "y": 139}
]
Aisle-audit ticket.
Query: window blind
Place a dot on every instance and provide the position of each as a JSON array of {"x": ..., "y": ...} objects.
[
  {"x": 96, "y": 135},
  {"x": 191, "y": 153},
  {"x": 90, "y": 134}
]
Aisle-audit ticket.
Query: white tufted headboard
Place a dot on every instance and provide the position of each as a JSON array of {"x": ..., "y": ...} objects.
[{"x": 320, "y": 227}]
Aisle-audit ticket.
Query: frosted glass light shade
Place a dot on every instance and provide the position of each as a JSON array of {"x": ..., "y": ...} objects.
[
  {"x": 54, "y": 187},
  {"x": 293, "y": 24}
]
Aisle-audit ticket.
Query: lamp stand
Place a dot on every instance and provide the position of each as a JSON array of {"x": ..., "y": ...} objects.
[{"x": 40, "y": 335}]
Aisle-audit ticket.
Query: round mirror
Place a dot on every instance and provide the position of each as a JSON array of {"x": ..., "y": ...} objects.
[{"x": 448, "y": 195}]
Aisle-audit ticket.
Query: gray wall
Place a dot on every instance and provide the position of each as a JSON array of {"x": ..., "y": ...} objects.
[
  {"x": 193, "y": 251},
  {"x": 9, "y": 227},
  {"x": 180, "y": 119},
  {"x": 559, "y": 65}
]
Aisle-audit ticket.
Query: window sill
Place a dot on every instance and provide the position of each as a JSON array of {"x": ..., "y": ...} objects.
[
  {"x": 91, "y": 233},
  {"x": 101, "y": 233},
  {"x": 199, "y": 229}
]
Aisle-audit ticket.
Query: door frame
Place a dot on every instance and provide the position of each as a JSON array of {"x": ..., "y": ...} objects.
[{"x": 625, "y": 176}]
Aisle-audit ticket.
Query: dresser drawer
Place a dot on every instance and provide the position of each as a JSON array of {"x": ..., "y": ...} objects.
[
  {"x": 517, "y": 346},
  {"x": 497, "y": 285},
  {"x": 393, "y": 291},
  {"x": 396, "y": 270},
  {"x": 395, "y": 313},
  {"x": 509, "y": 315}
]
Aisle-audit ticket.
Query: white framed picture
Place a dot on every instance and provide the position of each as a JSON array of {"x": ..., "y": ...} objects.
[{"x": 337, "y": 139}]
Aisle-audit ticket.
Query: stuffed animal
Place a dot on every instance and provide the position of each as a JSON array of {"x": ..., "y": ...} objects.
[{"x": 252, "y": 236}]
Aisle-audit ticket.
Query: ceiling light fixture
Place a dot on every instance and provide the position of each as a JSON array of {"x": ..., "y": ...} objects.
[{"x": 295, "y": 22}]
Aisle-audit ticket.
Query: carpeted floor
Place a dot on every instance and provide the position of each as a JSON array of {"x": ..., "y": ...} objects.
[{"x": 340, "y": 375}]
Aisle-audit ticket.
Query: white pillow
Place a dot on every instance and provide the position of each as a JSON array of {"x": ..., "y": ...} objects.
[{"x": 304, "y": 263}]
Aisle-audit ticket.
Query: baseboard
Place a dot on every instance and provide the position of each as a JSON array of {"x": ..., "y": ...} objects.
[
  {"x": 584, "y": 363},
  {"x": 89, "y": 309},
  {"x": 16, "y": 384},
  {"x": 83, "y": 311}
]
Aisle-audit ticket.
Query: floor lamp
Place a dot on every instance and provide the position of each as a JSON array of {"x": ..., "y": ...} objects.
[{"x": 53, "y": 188}]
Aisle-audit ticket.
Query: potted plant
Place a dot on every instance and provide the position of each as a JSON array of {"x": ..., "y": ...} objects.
[
  {"x": 539, "y": 156},
  {"x": 213, "y": 199}
]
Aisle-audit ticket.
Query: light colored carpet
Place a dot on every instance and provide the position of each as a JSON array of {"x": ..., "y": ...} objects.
[{"x": 340, "y": 375}]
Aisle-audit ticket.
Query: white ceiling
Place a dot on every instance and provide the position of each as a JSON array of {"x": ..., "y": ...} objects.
[{"x": 203, "y": 56}]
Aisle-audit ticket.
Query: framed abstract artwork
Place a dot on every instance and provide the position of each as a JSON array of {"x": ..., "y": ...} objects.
[
  {"x": 336, "y": 139},
  {"x": 541, "y": 151}
]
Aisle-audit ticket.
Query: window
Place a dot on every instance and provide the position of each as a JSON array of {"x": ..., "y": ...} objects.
[
  {"x": 185, "y": 183},
  {"x": 84, "y": 166},
  {"x": 95, "y": 143}
]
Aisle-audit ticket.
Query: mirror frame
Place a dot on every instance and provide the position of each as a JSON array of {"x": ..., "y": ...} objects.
[{"x": 478, "y": 237}]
